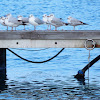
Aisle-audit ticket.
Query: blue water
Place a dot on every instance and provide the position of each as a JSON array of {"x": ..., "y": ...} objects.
[{"x": 53, "y": 80}]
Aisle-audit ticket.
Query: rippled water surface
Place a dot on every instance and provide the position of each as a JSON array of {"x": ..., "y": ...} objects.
[{"x": 53, "y": 80}]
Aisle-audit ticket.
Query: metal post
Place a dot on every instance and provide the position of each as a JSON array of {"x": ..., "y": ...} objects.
[
  {"x": 2, "y": 58},
  {"x": 2, "y": 68}
]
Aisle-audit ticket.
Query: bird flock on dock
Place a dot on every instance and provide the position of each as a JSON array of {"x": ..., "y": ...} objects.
[{"x": 49, "y": 20}]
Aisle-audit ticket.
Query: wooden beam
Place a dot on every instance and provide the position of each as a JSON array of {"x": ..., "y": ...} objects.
[{"x": 50, "y": 39}]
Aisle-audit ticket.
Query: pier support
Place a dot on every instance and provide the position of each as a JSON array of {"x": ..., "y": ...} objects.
[
  {"x": 2, "y": 59},
  {"x": 2, "y": 68}
]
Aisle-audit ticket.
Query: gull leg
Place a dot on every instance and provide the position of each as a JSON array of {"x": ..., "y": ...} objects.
[
  {"x": 12, "y": 28},
  {"x": 55, "y": 28},
  {"x": 15, "y": 28},
  {"x": 34, "y": 28},
  {"x": 50, "y": 27},
  {"x": 24, "y": 27},
  {"x": 7, "y": 28},
  {"x": 74, "y": 28}
]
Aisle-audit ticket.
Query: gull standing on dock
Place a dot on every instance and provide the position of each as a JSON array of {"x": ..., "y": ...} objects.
[
  {"x": 35, "y": 21},
  {"x": 57, "y": 22},
  {"x": 2, "y": 22},
  {"x": 46, "y": 21},
  {"x": 25, "y": 20},
  {"x": 12, "y": 22},
  {"x": 75, "y": 22}
]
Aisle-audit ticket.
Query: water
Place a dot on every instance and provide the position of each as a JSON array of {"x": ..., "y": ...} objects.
[{"x": 53, "y": 80}]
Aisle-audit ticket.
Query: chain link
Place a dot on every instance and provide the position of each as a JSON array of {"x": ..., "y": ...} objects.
[{"x": 93, "y": 44}]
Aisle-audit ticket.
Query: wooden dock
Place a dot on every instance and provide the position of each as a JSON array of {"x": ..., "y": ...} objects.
[
  {"x": 48, "y": 39},
  {"x": 45, "y": 39}
]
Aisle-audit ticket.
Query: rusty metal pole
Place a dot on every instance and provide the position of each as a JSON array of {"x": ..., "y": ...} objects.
[{"x": 2, "y": 68}]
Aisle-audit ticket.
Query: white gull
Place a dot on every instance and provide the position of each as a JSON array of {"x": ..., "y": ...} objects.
[
  {"x": 75, "y": 22},
  {"x": 57, "y": 22},
  {"x": 2, "y": 21},
  {"x": 46, "y": 21},
  {"x": 35, "y": 21},
  {"x": 12, "y": 22}
]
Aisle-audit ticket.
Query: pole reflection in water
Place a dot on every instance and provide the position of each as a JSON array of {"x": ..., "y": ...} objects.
[
  {"x": 2, "y": 68},
  {"x": 3, "y": 79}
]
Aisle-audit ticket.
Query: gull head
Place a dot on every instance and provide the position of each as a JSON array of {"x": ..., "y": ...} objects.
[
  {"x": 51, "y": 15},
  {"x": 30, "y": 16},
  {"x": 8, "y": 15},
  {"x": 44, "y": 15},
  {"x": 3, "y": 18},
  {"x": 19, "y": 17},
  {"x": 69, "y": 17}
]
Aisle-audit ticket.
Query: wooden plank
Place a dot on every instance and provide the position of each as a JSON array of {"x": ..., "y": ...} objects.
[
  {"x": 50, "y": 35},
  {"x": 41, "y": 38},
  {"x": 45, "y": 43}
]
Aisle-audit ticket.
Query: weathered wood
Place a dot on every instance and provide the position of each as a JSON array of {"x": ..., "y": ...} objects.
[
  {"x": 52, "y": 35},
  {"x": 41, "y": 38}
]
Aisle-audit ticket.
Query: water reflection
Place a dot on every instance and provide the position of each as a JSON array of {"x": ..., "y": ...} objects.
[
  {"x": 81, "y": 81},
  {"x": 51, "y": 89},
  {"x": 3, "y": 79}
]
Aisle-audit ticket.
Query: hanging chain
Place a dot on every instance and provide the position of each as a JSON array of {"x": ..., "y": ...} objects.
[
  {"x": 93, "y": 46},
  {"x": 88, "y": 65}
]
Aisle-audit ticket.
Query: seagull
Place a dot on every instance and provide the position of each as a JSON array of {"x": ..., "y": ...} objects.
[
  {"x": 75, "y": 22},
  {"x": 35, "y": 21},
  {"x": 2, "y": 22},
  {"x": 12, "y": 22},
  {"x": 46, "y": 20},
  {"x": 57, "y": 22},
  {"x": 25, "y": 20}
]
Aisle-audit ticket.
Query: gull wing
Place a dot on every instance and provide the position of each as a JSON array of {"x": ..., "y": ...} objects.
[
  {"x": 57, "y": 22},
  {"x": 25, "y": 20},
  {"x": 39, "y": 21},
  {"x": 14, "y": 20},
  {"x": 76, "y": 21}
]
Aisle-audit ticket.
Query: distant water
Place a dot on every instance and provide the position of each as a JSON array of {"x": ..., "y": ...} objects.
[{"x": 53, "y": 80}]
